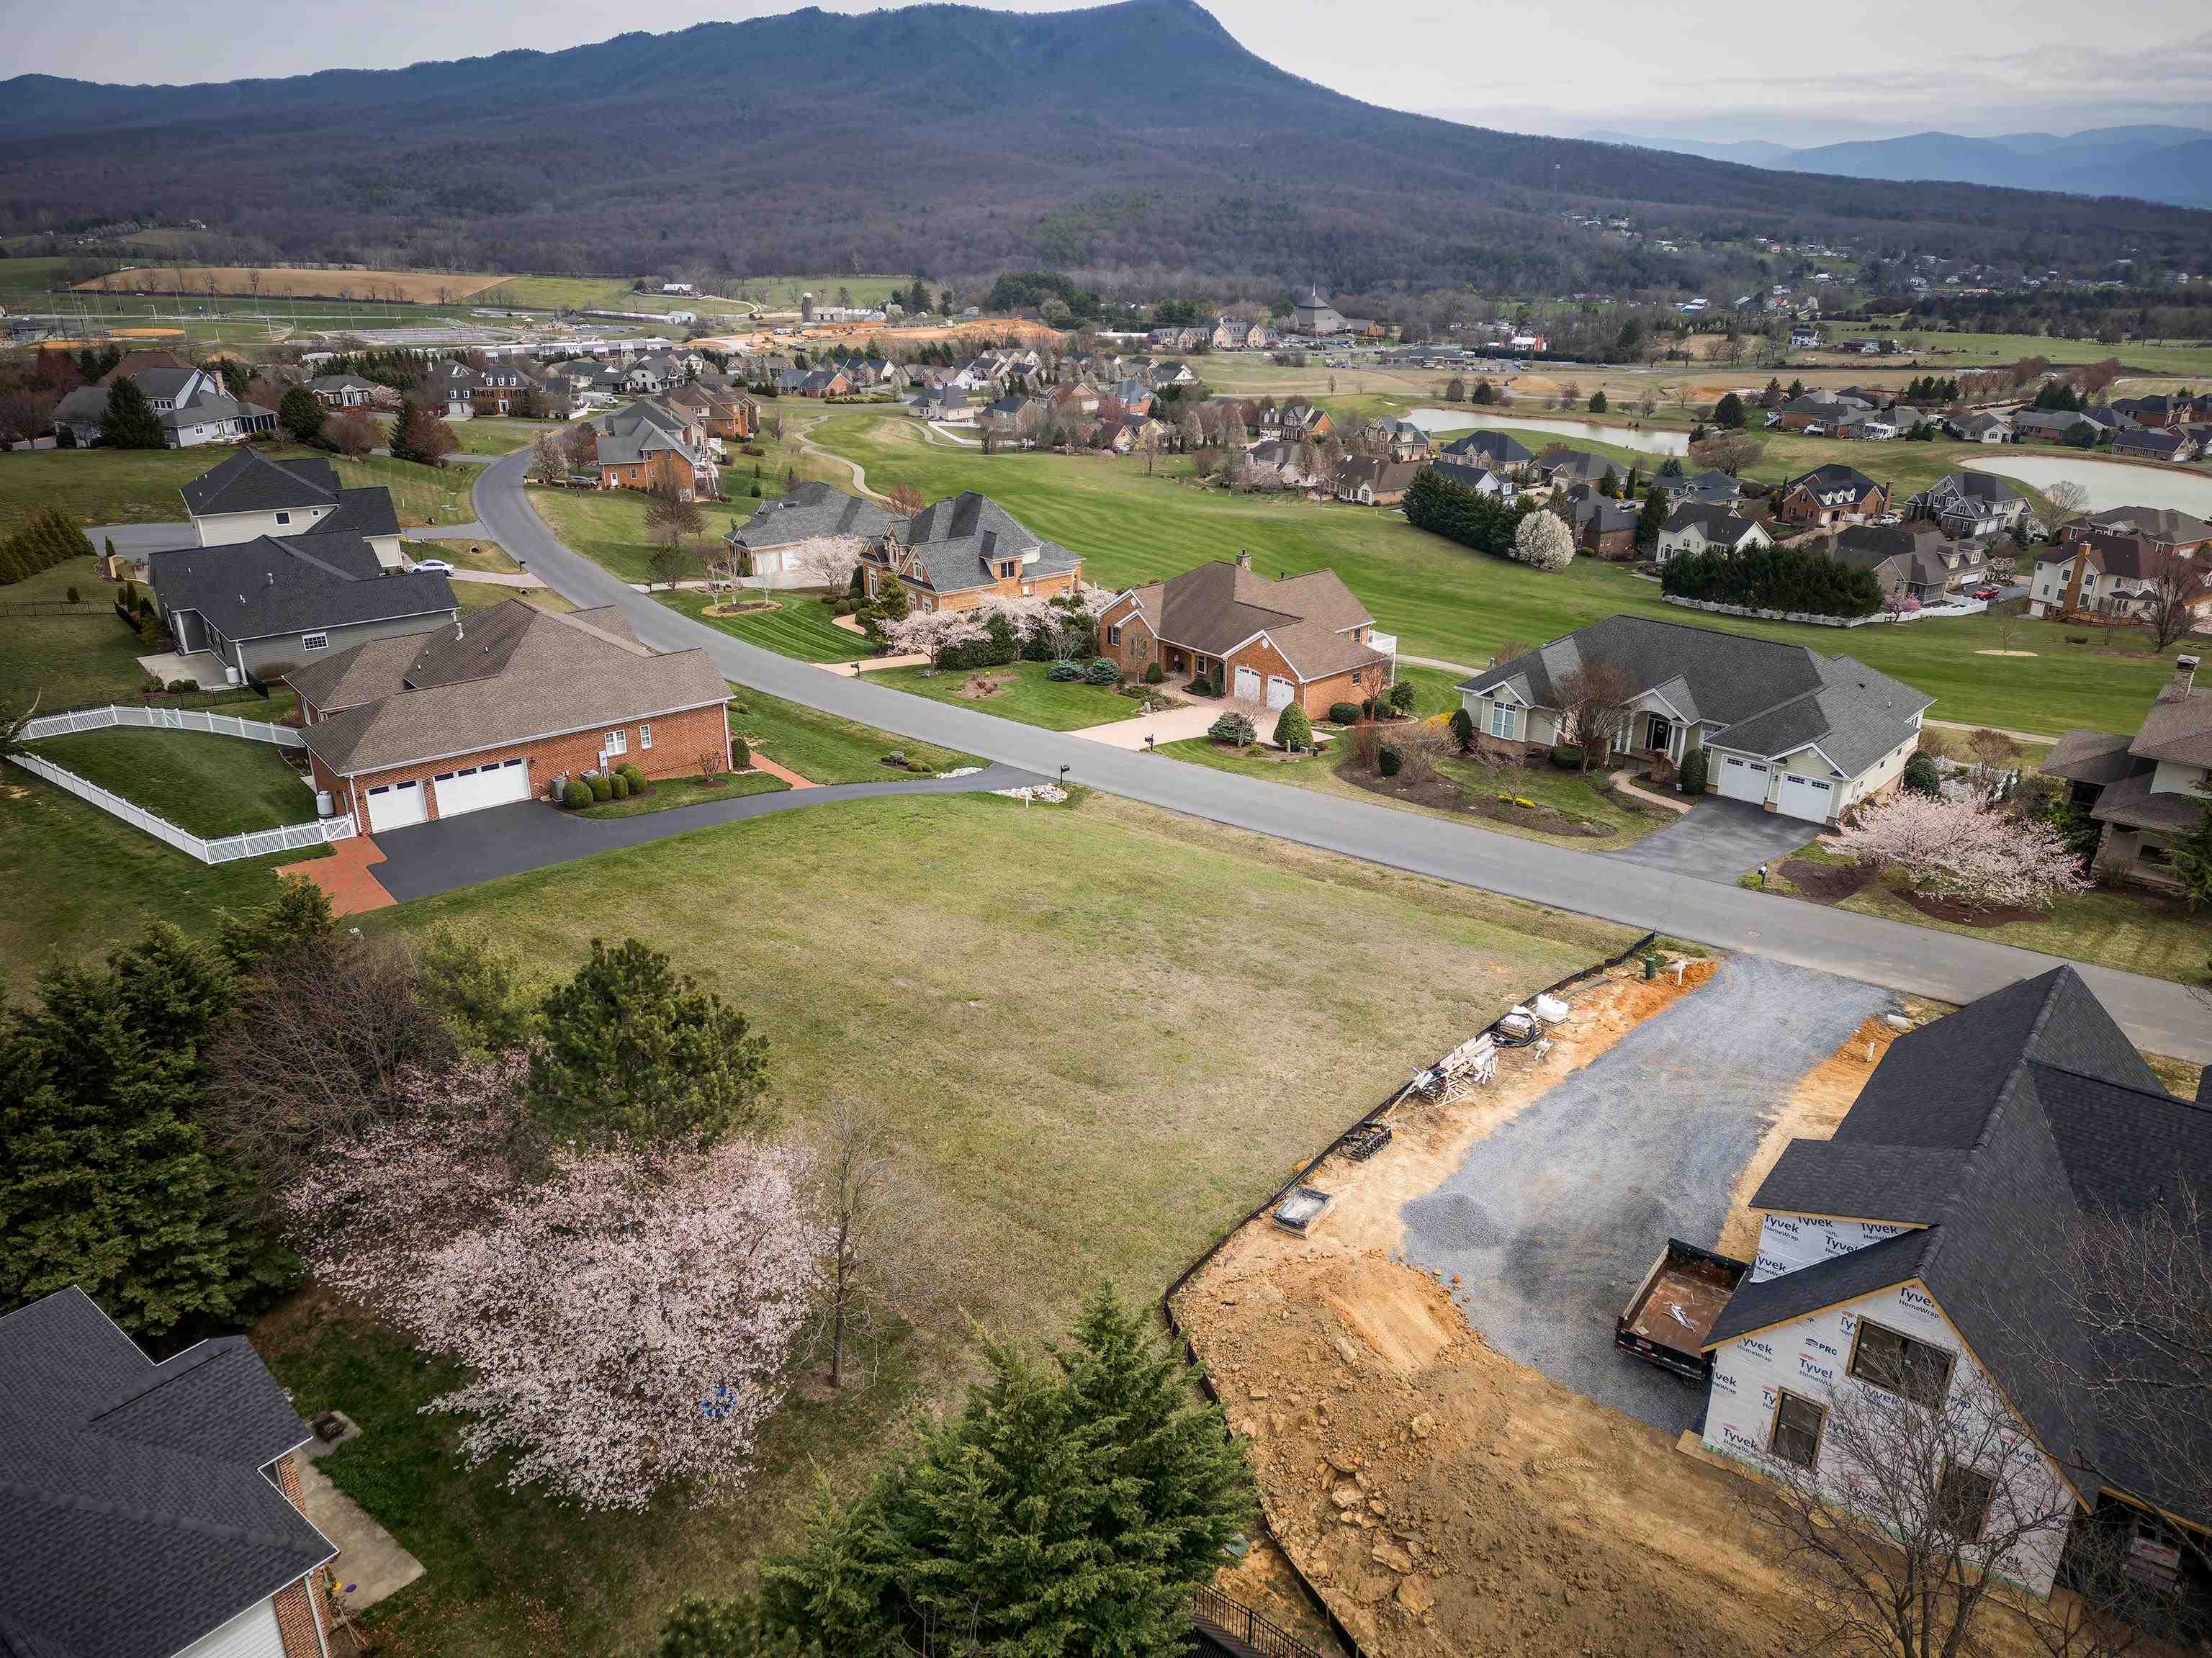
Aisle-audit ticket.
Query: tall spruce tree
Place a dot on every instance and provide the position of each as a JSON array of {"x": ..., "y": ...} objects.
[
  {"x": 1652, "y": 519},
  {"x": 300, "y": 414},
  {"x": 130, "y": 421}
]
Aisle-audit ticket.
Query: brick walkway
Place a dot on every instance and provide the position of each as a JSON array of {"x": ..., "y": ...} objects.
[
  {"x": 762, "y": 762},
  {"x": 345, "y": 875}
]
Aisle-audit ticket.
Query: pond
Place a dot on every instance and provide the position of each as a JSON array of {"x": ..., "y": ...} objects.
[
  {"x": 2110, "y": 483},
  {"x": 1577, "y": 431}
]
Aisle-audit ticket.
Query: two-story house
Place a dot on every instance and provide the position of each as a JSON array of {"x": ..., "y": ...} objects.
[
  {"x": 1833, "y": 493},
  {"x": 648, "y": 443},
  {"x": 956, "y": 552},
  {"x": 1970, "y": 504},
  {"x": 2147, "y": 790},
  {"x": 1701, "y": 526}
]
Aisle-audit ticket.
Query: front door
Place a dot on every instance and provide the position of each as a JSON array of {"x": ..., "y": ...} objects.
[{"x": 1660, "y": 732}]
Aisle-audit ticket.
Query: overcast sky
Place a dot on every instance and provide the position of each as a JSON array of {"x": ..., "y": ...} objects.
[{"x": 1705, "y": 69}]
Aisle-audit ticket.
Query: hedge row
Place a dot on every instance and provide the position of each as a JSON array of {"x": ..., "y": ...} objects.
[
  {"x": 49, "y": 539},
  {"x": 1437, "y": 503},
  {"x": 1774, "y": 579}
]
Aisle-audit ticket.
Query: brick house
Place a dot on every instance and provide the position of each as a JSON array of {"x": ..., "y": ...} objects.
[
  {"x": 1375, "y": 480},
  {"x": 500, "y": 706},
  {"x": 152, "y": 1509},
  {"x": 344, "y": 391},
  {"x": 649, "y": 440},
  {"x": 1304, "y": 638},
  {"x": 1603, "y": 526},
  {"x": 2164, "y": 528},
  {"x": 955, "y": 553},
  {"x": 2107, "y": 573},
  {"x": 1833, "y": 493}
]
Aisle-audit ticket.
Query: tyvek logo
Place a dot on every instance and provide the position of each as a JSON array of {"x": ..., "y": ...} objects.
[
  {"x": 1909, "y": 1297},
  {"x": 1785, "y": 1225},
  {"x": 1723, "y": 1382},
  {"x": 1819, "y": 1223},
  {"x": 1839, "y": 1246},
  {"x": 1767, "y": 1267},
  {"x": 1820, "y": 1346},
  {"x": 1736, "y": 1440},
  {"x": 1753, "y": 1345},
  {"x": 1880, "y": 1229},
  {"x": 1807, "y": 1365}
]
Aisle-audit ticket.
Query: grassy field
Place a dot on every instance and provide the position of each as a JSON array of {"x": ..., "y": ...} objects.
[
  {"x": 687, "y": 791},
  {"x": 1016, "y": 1027},
  {"x": 420, "y": 494},
  {"x": 483, "y": 595},
  {"x": 604, "y": 525},
  {"x": 825, "y": 749},
  {"x": 466, "y": 555},
  {"x": 66, "y": 661},
  {"x": 31, "y": 276},
  {"x": 801, "y": 625},
  {"x": 248, "y": 282},
  {"x": 99, "y": 486},
  {"x": 1022, "y": 690},
  {"x": 1445, "y": 601},
  {"x": 496, "y": 434},
  {"x": 2184, "y": 358},
  {"x": 206, "y": 785}
]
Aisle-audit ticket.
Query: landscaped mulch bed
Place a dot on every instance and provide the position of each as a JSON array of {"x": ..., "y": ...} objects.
[
  {"x": 1951, "y": 910},
  {"x": 1444, "y": 795},
  {"x": 1829, "y": 884}
]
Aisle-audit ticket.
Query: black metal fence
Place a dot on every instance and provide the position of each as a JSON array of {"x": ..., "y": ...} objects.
[{"x": 1235, "y": 1620}]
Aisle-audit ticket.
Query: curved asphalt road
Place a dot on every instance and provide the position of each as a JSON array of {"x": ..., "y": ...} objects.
[{"x": 2158, "y": 1015}]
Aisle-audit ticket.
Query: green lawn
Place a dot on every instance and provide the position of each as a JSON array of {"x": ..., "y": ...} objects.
[
  {"x": 978, "y": 972},
  {"x": 2112, "y": 927},
  {"x": 79, "y": 881},
  {"x": 466, "y": 555},
  {"x": 483, "y": 595},
  {"x": 799, "y": 626},
  {"x": 1445, "y": 601},
  {"x": 687, "y": 791},
  {"x": 422, "y": 494},
  {"x": 605, "y": 526},
  {"x": 495, "y": 434},
  {"x": 99, "y": 486},
  {"x": 207, "y": 785},
  {"x": 1024, "y": 691},
  {"x": 825, "y": 749}
]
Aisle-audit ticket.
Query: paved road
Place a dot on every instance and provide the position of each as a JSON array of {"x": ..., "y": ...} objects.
[
  {"x": 449, "y": 853},
  {"x": 2163, "y": 1016},
  {"x": 136, "y": 540},
  {"x": 1552, "y": 1221},
  {"x": 1718, "y": 839}
]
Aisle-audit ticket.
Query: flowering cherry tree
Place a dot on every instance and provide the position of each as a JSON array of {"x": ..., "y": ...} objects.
[
  {"x": 1967, "y": 849},
  {"x": 931, "y": 633},
  {"x": 1541, "y": 541},
  {"x": 625, "y": 1314}
]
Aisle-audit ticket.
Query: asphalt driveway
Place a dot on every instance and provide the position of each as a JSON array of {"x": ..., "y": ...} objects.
[
  {"x": 1553, "y": 1221},
  {"x": 1718, "y": 839},
  {"x": 483, "y": 846}
]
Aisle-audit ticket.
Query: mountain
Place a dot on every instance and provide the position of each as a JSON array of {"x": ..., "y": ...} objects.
[
  {"x": 2150, "y": 163},
  {"x": 1136, "y": 143}
]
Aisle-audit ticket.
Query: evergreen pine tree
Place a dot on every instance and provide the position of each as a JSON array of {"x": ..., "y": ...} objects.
[
  {"x": 130, "y": 421},
  {"x": 300, "y": 414},
  {"x": 1652, "y": 519}
]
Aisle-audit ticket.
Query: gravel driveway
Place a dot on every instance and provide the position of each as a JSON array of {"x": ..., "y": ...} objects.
[{"x": 1553, "y": 1220}]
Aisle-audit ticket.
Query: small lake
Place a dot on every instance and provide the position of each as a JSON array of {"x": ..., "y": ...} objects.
[
  {"x": 2110, "y": 483},
  {"x": 1572, "y": 431}
]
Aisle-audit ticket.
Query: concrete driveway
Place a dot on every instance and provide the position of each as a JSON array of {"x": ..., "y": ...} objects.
[
  {"x": 1718, "y": 839},
  {"x": 1553, "y": 1221}
]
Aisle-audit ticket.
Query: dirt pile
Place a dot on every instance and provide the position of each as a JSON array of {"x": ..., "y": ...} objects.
[{"x": 1447, "y": 1502}]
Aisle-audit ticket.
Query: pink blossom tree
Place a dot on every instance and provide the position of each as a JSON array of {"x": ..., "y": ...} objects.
[
  {"x": 1967, "y": 849},
  {"x": 625, "y": 1314}
]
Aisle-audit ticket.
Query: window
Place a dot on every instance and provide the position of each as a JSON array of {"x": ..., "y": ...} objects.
[
  {"x": 1797, "y": 1424},
  {"x": 615, "y": 742},
  {"x": 645, "y": 737},
  {"x": 1504, "y": 721},
  {"x": 283, "y": 518},
  {"x": 1962, "y": 1501},
  {"x": 1899, "y": 1364},
  {"x": 1113, "y": 634},
  {"x": 315, "y": 642}
]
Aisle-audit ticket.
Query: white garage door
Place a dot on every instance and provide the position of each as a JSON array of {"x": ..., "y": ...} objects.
[
  {"x": 472, "y": 788},
  {"x": 395, "y": 805},
  {"x": 1737, "y": 779},
  {"x": 1248, "y": 684},
  {"x": 252, "y": 1634},
  {"x": 1279, "y": 691},
  {"x": 1806, "y": 797}
]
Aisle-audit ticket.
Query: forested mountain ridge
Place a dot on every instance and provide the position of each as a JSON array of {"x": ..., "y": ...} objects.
[{"x": 1137, "y": 138}]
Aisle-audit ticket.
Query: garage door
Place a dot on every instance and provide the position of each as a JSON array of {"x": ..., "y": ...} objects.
[
  {"x": 252, "y": 1634},
  {"x": 1806, "y": 797},
  {"x": 394, "y": 805},
  {"x": 1742, "y": 779},
  {"x": 1248, "y": 684},
  {"x": 1279, "y": 691},
  {"x": 472, "y": 788}
]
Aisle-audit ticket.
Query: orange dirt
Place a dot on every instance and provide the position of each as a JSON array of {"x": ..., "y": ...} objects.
[{"x": 416, "y": 286}]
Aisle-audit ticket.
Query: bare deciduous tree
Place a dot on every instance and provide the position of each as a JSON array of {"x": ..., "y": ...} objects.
[
  {"x": 2066, "y": 498},
  {"x": 549, "y": 462},
  {"x": 866, "y": 1205},
  {"x": 1593, "y": 701},
  {"x": 2169, "y": 605},
  {"x": 828, "y": 563}
]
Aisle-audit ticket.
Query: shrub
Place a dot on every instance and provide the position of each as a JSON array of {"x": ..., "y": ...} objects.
[
  {"x": 602, "y": 788},
  {"x": 1401, "y": 697},
  {"x": 1234, "y": 730},
  {"x": 1692, "y": 775},
  {"x": 1344, "y": 714},
  {"x": 1566, "y": 756},
  {"x": 1103, "y": 671},
  {"x": 72, "y": 596},
  {"x": 630, "y": 773},
  {"x": 184, "y": 684},
  {"x": 1201, "y": 688},
  {"x": 741, "y": 752},
  {"x": 1923, "y": 776},
  {"x": 150, "y": 633},
  {"x": 755, "y": 492},
  {"x": 576, "y": 795},
  {"x": 1293, "y": 730},
  {"x": 150, "y": 686},
  {"x": 1152, "y": 674},
  {"x": 1065, "y": 672},
  {"x": 618, "y": 787},
  {"x": 1462, "y": 729},
  {"x": 1774, "y": 579},
  {"x": 1389, "y": 760},
  {"x": 2077, "y": 639}
]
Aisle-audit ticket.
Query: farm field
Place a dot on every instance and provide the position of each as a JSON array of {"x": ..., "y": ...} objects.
[
  {"x": 32, "y": 276},
  {"x": 250, "y": 281},
  {"x": 1446, "y": 601},
  {"x": 1062, "y": 1171}
]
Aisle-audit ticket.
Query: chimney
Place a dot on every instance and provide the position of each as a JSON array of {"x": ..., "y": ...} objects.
[
  {"x": 2185, "y": 674},
  {"x": 1244, "y": 559}
]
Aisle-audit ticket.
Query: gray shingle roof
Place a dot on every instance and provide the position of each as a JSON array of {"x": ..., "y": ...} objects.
[
  {"x": 2098, "y": 757},
  {"x": 1848, "y": 1181},
  {"x": 1720, "y": 522},
  {"x": 1216, "y": 607},
  {"x": 504, "y": 675},
  {"x": 2178, "y": 727},
  {"x": 1834, "y": 480},
  {"x": 1842, "y": 1277},
  {"x": 956, "y": 541},
  {"x": 808, "y": 510},
  {"x": 253, "y": 589},
  {"x": 134, "y": 1515},
  {"x": 249, "y": 481}
]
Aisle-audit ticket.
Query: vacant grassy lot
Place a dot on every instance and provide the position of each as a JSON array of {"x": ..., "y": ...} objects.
[
  {"x": 64, "y": 661},
  {"x": 99, "y": 486},
  {"x": 420, "y": 494},
  {"x": 207, "y": 785},
  {"x": 498, "y": 434},
  {"x": 1022, "y": 1032},
  {"x": 483, "y": 595},
  {"x": 825, "y": 749},
  {"x": 799, "y": 626},
  {"x": 1445, "y": 601},
  {"x": 467, "y": 555},
  {"x": 1020, "y": 690},
  {"x": 607, "y": 526}
]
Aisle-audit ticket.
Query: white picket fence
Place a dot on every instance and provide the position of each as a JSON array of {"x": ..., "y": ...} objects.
[
  {"x": 255, "y": 843},
  {"x": 172, "y": 719}
]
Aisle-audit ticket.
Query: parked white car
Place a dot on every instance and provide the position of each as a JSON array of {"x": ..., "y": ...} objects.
[{"x": 434, "y": 566}]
